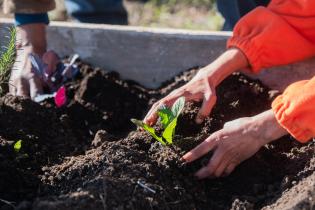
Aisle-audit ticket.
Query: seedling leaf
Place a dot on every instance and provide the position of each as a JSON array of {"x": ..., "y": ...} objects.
[
  {"x": 18, "y": 146},
  {"x": 166, "y": 116},
  {"x": 168, "y": 119},
  {"x": 178, "y": 106},
  {"x": 149, "y": 129},
  {"x": 169, "y": 131}
]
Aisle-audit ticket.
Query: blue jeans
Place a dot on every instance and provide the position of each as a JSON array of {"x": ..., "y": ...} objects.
[
  {"x": 98, "y": 11},
  {"x": 233, "y": 10}
]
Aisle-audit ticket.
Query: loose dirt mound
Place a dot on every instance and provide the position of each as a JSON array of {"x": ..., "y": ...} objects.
[{"x": 86, "y": 156}]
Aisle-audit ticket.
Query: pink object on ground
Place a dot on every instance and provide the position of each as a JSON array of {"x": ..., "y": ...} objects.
[{"x": 61, "y": 97}]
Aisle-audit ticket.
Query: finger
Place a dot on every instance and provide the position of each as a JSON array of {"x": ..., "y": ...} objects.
[
  {"x": 229, "y": 169},
  {"x": 35, "y": 87},
  {"x": 168, "y": 101},
  {"x": 222, "y": 166},
  {"x": 201, "y": 149},
  {"x": 213, "y": 164},
  {"x": 203, "y": 173},
  {"x": 152, "y": 115},
  {"x": 209, "y": 100}
]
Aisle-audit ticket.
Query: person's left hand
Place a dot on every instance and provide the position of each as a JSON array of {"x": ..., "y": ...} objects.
[{"x": 237, "y": 141}]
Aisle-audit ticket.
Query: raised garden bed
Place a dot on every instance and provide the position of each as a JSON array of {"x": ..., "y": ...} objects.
[{"x": 88, "y": 155}]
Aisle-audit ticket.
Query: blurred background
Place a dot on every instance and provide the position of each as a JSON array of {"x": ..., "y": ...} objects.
[{"x": 187, "y": 14}]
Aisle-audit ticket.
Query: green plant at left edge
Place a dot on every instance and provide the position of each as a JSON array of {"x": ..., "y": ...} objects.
[{"x": 7, "y": 59}]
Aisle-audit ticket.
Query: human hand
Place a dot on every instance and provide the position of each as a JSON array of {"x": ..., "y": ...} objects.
[
  {"x": 196, "y": 90},
  {"x": 30, "y": 40},
  {"x": 237, "y": 141},
  {"x": 24, "y": 81},
  {"x": 202, "y": 86}
]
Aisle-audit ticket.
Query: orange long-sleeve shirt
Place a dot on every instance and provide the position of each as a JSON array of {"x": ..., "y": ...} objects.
[{"x": 282, "y": 33}]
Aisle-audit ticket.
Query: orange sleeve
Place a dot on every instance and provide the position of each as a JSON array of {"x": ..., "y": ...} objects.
[
  {"x": 282, "y": 33},
  {"x": 295, "y": 109}
]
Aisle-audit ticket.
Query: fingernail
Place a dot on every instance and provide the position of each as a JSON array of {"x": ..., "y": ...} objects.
[
  {"x": 183, "y": 159},
  {"x": 187, "y": 157}
]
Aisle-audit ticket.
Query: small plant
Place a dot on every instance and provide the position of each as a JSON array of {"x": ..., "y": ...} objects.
[
  {"x": 168, "y": 120},
  {"x": 17, "y": 146},
  {"x": 7, "y": 59}
]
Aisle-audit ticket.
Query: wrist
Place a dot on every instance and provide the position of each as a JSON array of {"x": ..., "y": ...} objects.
[
  {"x": 230, "y": 61},
  {"x": 267, "y": 127}
]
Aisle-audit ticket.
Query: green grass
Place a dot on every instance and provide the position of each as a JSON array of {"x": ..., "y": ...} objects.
[
  {"x": 183, "y": 14},
  {"x": 7, "y": 59},
  {"x": 186, "y": 14},
  {"x": 191, "y": 3}
]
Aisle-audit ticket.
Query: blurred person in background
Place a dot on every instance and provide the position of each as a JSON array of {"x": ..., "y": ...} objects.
[
  {"x": 31, "y": 19},
  {"x": 233, "y": 10}
]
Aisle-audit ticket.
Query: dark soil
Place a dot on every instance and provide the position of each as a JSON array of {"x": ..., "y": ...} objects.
[{"x": 88, "y": 155}]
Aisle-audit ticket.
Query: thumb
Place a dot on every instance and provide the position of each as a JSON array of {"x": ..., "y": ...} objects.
[{"x": 209, "y": 100}]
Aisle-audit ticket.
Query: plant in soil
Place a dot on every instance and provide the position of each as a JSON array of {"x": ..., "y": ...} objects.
[
  {"x": 17, "y": 146},
  {"x": 168, "y": 119},
  {"x": 6, "y": 60}
]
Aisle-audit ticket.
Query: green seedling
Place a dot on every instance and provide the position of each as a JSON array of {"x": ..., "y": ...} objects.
[
  {"x": 7, "y": 58},
  {"x": 168, "y": 119},
  {"x": 18, "y": 146}
]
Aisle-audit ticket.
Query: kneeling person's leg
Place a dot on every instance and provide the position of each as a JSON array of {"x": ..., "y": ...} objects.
[{"x": 98, "y": 11}]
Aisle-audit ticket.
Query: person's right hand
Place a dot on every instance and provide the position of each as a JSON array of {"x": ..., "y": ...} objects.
[{"x": 202, "y": 86}]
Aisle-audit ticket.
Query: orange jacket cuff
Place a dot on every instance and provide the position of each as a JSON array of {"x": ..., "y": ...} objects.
[
  {"x": 249, "y": 50},
  {"x": 277, "y": 35},
  {"x": 279, "y": 107}
]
